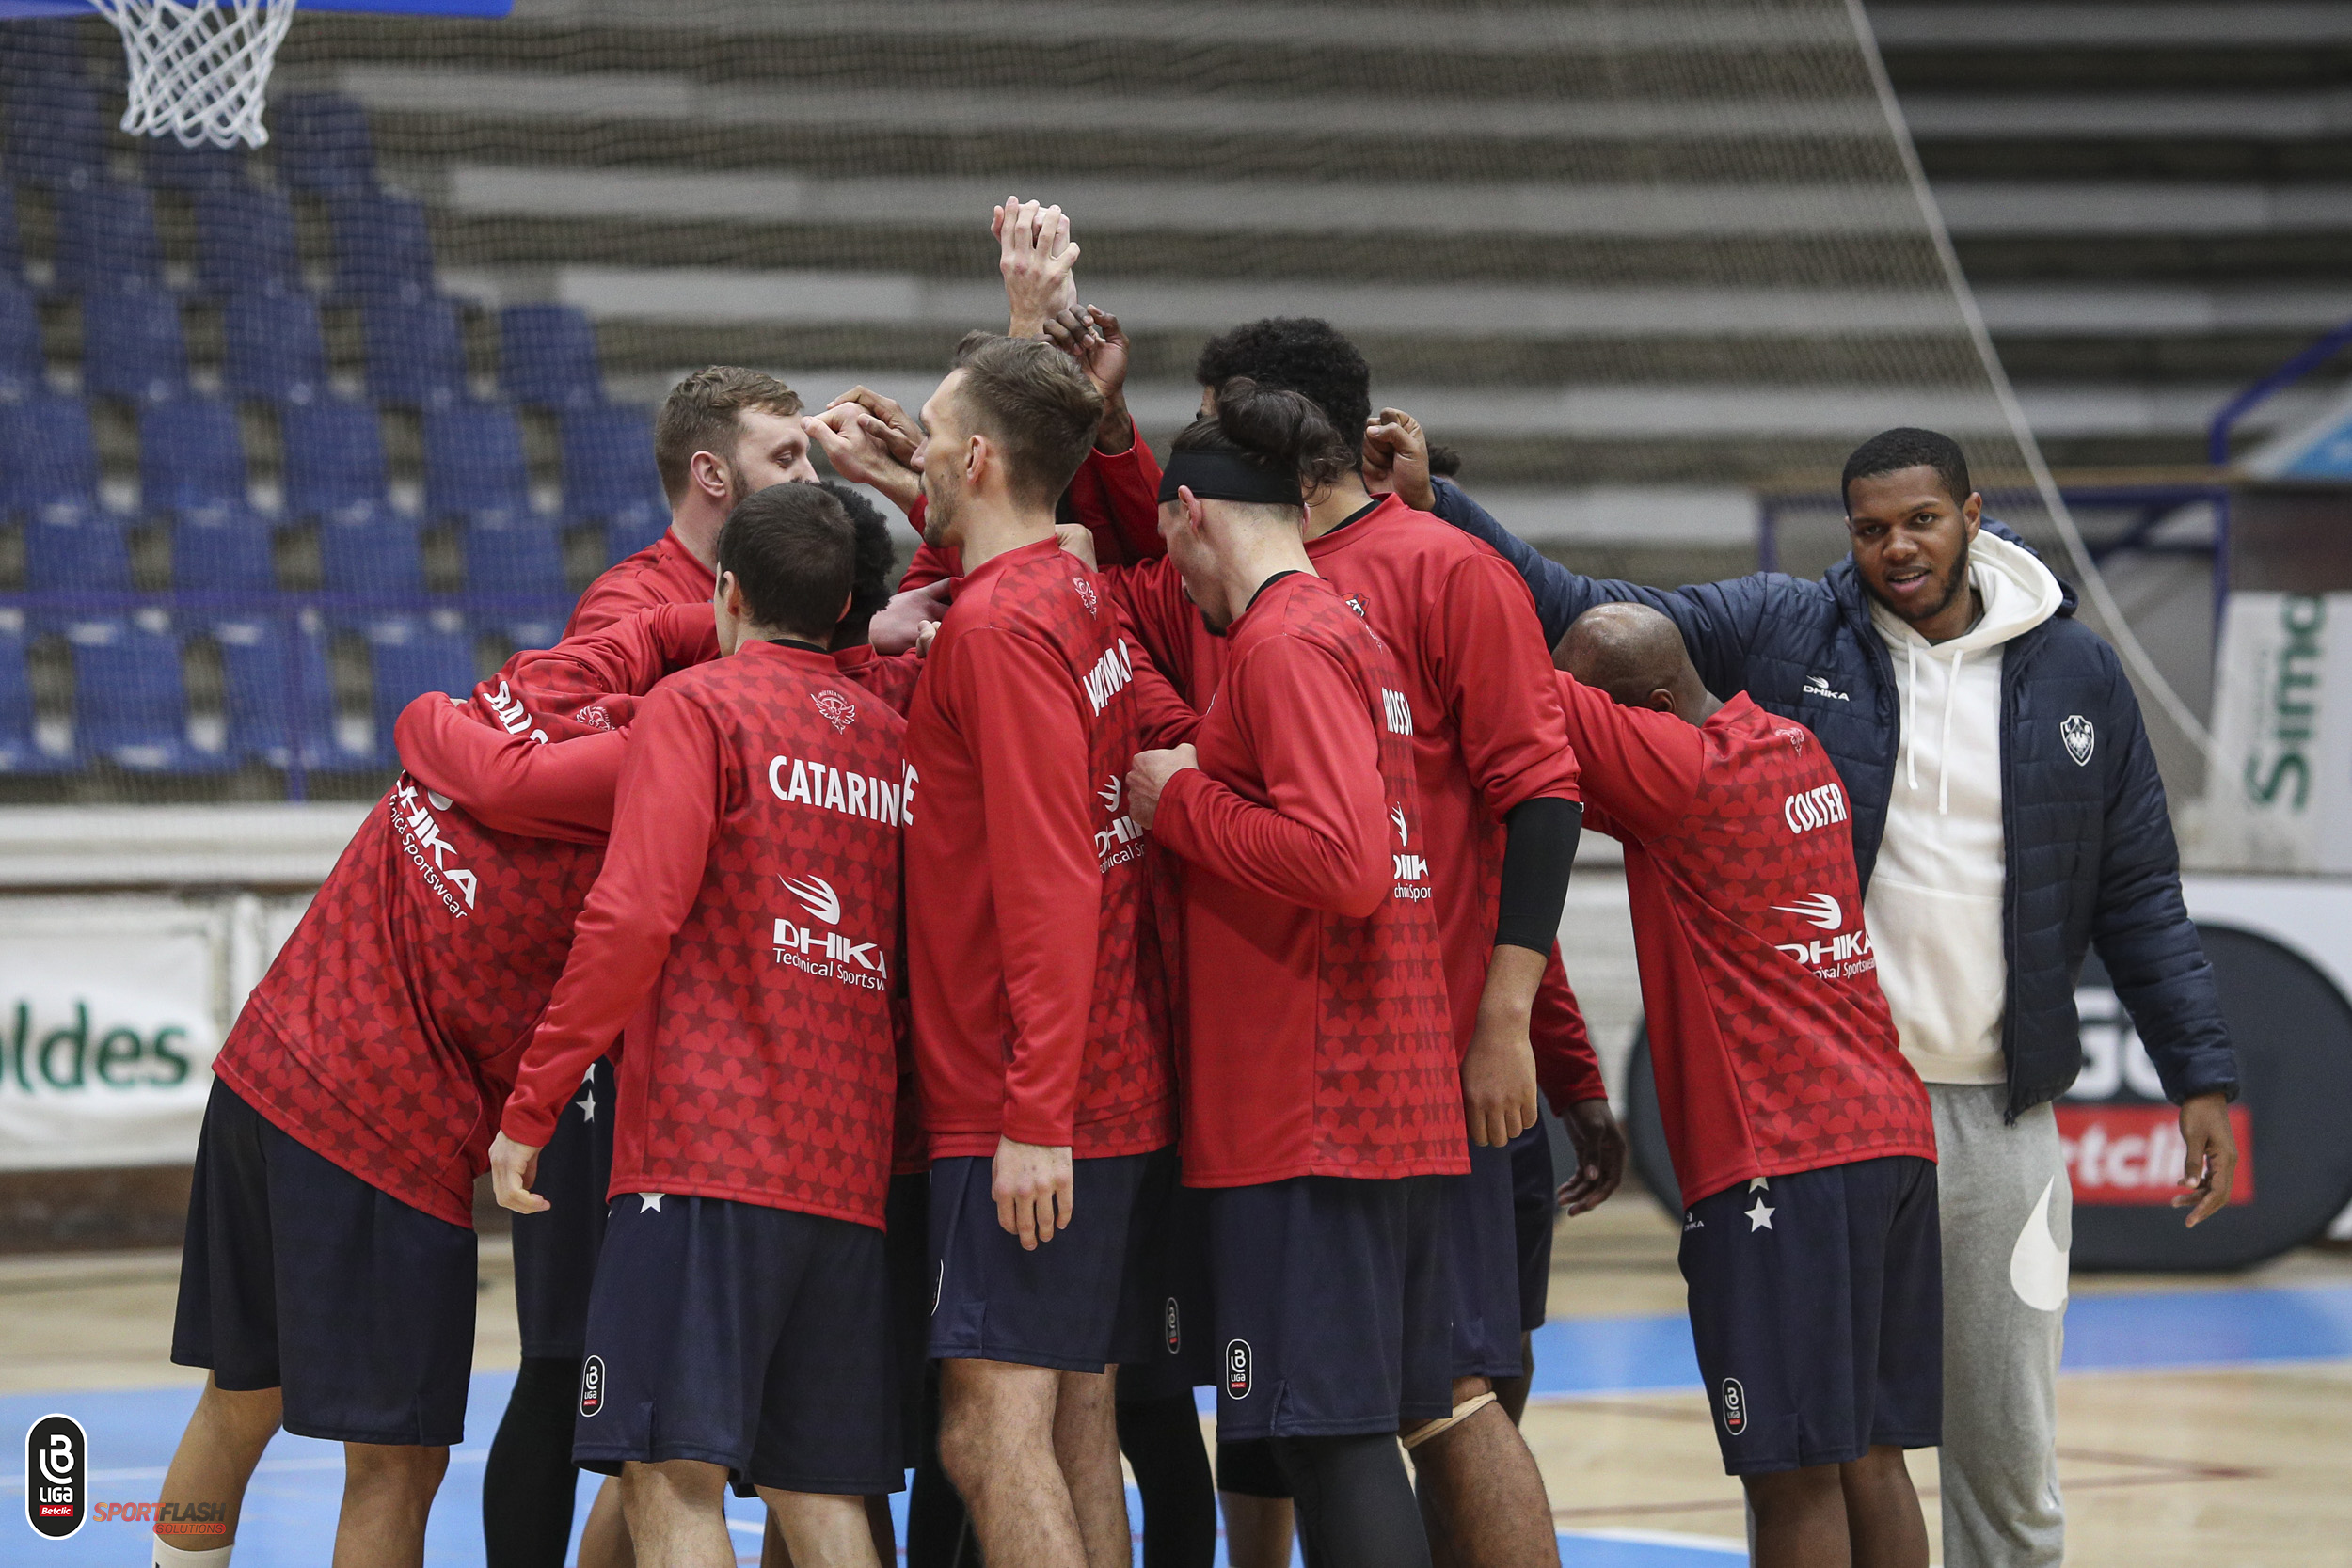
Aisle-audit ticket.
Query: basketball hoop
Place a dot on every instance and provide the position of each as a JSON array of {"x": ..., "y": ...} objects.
[{"x": 199, "y": 67}]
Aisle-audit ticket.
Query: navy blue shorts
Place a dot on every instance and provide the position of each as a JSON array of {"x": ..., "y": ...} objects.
[
  {"x": 907, "y": 1252},
  {"x": 742, "y": 1336},
  {"x": 1534, "y": 1204},
  {"x": 1183, "y": 1355},
  {"x": 1080, "y": 1302},
  {"x": 1481, "y": 1238},
  {"x": 1817, "y": 1305},
  {"x": 299, "y": 1276},
  {"x": 1330, "y": 1307},
  {"x": 555, "y": 1250}
]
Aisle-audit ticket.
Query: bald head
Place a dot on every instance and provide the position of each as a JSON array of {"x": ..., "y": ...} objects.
[{"x": 1636, "y": 655}]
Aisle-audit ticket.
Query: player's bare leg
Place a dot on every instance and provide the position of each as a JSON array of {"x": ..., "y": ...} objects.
[
  {"x": 1256, "y": 1531},
  {"x": 1511, "y": 1392},
  {"x": 387, "y": 1495},
  {"x": 1085, "y": 1444},
  {"x": 821, "y": 1530},
  {"x": 1801, "y": 1519},
  {"x": 676, "y": 1510},
  {"x": 226, "y": 1434},
  {"x": 604, "y": 1539},
  {"x": 1481, "y": 1494},
  {"x": 1882, "y": 1516},
  {"x": 777, "y": 1552},
  {"x": 996, "y": 1430}
]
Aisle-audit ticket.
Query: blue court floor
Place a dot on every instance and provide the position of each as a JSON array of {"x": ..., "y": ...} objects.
[{"x": 289, "y": 1513}]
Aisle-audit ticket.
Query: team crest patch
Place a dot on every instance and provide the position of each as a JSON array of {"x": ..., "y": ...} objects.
[
  {"x": 1085, "y": 592},
  {"x": 838, "y": 711},
  {"x": 1355, "y": 603},
  {"x": 1237, "y": 1369},
  {"x": 1172, "y": 1327},
  {"x": 592, "y": 1385},
  {"x": 1735, "y": 1407},
  {"x": 2079, "y": 737}
]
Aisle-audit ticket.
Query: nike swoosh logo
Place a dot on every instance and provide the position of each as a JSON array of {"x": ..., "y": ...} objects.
[{"x": 2037, "y": 1264}]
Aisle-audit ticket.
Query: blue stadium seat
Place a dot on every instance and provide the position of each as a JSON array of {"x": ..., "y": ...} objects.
[
  {"x": 410, "y": 655},
  {"x": 191, "y": 453},
  {"x": 107, "y": 238},
  {"x": 21, "y": 363},
  {"x": 275, "y": 348},
  {"x": 474, "y": 461},
  {"x": 548, "y": 356},
  {"x": 171, "y": 166},
  {"x": 334, "y": 456},
  {"x": 131, "y": 345},
  {"x": 321, "y": 141},
  {"x": 57, "y": 131},
  {"x": 513, "y": 553},
  {"x": 246, "y": 242},
  {"x": 130, "y": 706},
  {"x": 76, "y": 550},
  {"x": 46, "y": 455},
  {"x": 20, "y": 751},
  {"x": 11, "y": 243},
  {"x": 381, "y": 246},
  {"x": 279, "y": 694},
  {"x": 225, "y": 547},
  {"x": 415, "y": 353},
  {"x": 371, "y": 549},
  {"x": 608, "y": 463}
]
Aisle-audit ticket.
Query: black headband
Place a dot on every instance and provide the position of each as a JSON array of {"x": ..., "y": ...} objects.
[{"x": 1226, "y": 476}]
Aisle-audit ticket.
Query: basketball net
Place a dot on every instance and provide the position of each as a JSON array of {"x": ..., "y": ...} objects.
[{"x": 198, "y": 69}]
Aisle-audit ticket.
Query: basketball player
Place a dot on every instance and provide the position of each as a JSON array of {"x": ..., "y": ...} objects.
[
  {"x": 1040, "y": 1013},
  {"x": 1801, "y": 1137},
  {"x": 1322, "y": 1094},
  {"x": 328, "y": 1276},
  {"x": 738, "y": 1324},
  {"x": 1499, "y": 805}
]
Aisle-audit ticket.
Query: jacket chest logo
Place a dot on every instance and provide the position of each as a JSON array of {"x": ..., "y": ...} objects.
[{"x": 2080, "y": 737}]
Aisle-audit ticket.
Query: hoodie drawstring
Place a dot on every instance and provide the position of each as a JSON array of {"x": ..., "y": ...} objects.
[{"x": 1911, "y": 726}]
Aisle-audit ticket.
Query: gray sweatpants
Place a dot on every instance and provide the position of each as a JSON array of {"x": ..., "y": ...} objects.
[{"x": 2007, "y": 1216}]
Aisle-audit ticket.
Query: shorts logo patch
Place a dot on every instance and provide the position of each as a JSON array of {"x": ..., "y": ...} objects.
[
  {"x": 1237, "y": 1369},
  {"x": 592, "y": 1385},
  {"x": 1735, "y": 1407},
  {"x": 1172, "y": 1327}
]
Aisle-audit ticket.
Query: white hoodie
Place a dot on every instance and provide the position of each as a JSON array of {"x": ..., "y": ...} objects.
[{"x": 1934, "y": 905}]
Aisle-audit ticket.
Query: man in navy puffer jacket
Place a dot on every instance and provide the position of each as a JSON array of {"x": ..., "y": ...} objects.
[{"x": 2007, "y": 815}]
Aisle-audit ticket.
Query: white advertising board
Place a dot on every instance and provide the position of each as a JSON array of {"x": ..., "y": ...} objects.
[{"x": 2280, "y": 792}]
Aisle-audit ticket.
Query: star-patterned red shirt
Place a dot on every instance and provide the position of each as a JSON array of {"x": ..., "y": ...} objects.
[
  {"x": 750, "y": 902},
  {"x": 1318, "y": 1041},
  {"x": 1034, "y": 949},
  {"x": 1771, "y": 1044},
  {"x": 664, "y": 572}
]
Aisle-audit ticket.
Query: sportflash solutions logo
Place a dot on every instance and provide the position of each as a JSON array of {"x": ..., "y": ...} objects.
[
  {"x": 828, "y": 954},
  {"x": 421, "y": 838},
  {"x": 1843, "y": 954}
]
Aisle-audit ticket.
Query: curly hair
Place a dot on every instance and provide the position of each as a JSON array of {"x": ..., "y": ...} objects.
[{"x": 1297, "y": 353}]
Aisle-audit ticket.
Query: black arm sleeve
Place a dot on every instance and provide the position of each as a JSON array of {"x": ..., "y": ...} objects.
[{"x": 1540, "y": 850}]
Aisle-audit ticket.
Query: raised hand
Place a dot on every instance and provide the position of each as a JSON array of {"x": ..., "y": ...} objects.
[
  {"x": 1035, "y": 255},
  {"x": 1092, "y": 337},
  {"x": 865, "y": 451},
  {"x": 906, "y": 436},
  {"x": 1396, "y": 458}
]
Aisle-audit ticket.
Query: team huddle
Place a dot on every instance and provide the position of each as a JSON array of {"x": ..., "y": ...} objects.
[{"x": 935, "y": 1025}]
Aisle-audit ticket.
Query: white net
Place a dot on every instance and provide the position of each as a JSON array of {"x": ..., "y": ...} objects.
[{"x": 199, "y": 73}]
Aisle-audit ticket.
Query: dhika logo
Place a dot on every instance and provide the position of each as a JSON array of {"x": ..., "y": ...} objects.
[
  {"x": 1111, "y": 842},
  {"x": 1403, "y": 838},
  {"x": 1814, "y": 808},
  {"x": 828, "y": 954},
  {"x": 1818, "y": 686},
  {"x": 1850, "y": 949},
  {"x": 421, "y": 832}
]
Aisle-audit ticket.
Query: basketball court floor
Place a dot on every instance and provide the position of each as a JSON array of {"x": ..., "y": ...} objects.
[{"x": 2206, "y": 1422}]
